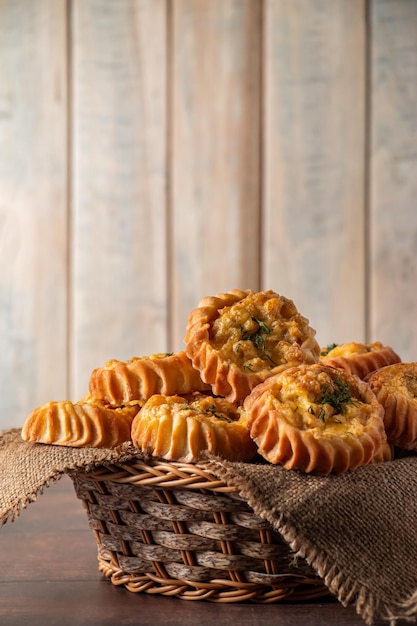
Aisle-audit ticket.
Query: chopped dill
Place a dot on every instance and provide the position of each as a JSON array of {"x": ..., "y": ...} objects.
[
  {"x": 337, "y": 395},
  {"x": 322, "y": 414},
  {"x": 187, "y": 407},
  {"x": 328, "y": 349},
  {"x": 257, "y": 337},
  {"x": 210, "y": 410}
]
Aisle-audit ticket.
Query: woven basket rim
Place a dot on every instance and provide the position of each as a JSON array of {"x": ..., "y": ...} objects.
[{"x": 160, "y": 473}]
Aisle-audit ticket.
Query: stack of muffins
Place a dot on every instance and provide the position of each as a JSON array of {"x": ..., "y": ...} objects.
[{"x": 252, "y": 385}]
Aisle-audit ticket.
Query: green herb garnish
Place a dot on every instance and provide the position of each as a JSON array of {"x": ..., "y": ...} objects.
[
  {"x": 328, "y": 349},
  {"x": 210, "y": 410},
  {"x": 257, "y": 337},
  {"x": 337, "y": 395}
]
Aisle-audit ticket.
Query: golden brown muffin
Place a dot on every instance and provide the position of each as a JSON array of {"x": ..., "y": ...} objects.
[
  {"x": 359, "y": 358},
  {"x": 124, "y": 382},
  {"x": 238, "y": 339},
  {"x": 185, "y": 428},
  {"x": 395, "y": 387},
  {"x": 83, "y": 423},
  {"x": 317, "y": 419}
]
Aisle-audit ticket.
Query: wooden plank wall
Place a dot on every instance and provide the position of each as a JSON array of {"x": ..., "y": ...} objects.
[{"x": 155, "y": 151}]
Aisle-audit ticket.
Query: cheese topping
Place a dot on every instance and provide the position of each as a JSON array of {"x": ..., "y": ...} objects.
[
  {"x": 262, "y": 331},
  {"x": 195, "y": 406},
  {"x": 400, "y": 378},
  {"x": 112, "y": 363},
  {"x": 322, "y": 404},
  {"x": 351, "y": 348}
]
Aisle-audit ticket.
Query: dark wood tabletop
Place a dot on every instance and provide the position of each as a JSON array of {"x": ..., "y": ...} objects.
[{"x": 49, "y": 577}]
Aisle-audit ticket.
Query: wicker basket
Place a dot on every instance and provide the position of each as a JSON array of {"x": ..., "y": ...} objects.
[{"x": 175, "y": 529}]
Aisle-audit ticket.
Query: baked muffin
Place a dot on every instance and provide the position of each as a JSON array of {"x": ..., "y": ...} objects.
[
  {"x": 125, "y": 382},
  {"x": 84, "y": 423},
  {"x": 359, "y": 358},
  {"x": 186, "y": 428},
  {"x": 395, "y": 387},
  {"x": 238, "y": 339},
  {"x": 317, "y": 419}
]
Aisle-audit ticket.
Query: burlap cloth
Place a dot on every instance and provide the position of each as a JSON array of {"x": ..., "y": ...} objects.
[{"x": 358, "y": 530}]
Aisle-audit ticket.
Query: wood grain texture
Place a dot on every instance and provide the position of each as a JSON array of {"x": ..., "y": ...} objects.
[
  {"x": 393, "y": 175},
  {"x": 119, "y": 197},
  {"x": 33, "y": 205},
  {"x": 88, "y": 603},
  {"x": 215, "y": 151},
  {"x": 313, "y": 238},
  {"x": 157, "y": 151}
]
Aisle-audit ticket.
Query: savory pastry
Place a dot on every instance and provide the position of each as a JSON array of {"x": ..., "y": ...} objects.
[
  {"x": 385, "y": 453},
  {"x": 83, "y": 423},
  {"x": 359, "y": 358},
  {"x": 124, "y": 382},
  {"x": 395, "y": 387},
  {"x": 185, "y": 428},
  {"x": 316, "y": 418},
  {"x": 238, "y": 339}
]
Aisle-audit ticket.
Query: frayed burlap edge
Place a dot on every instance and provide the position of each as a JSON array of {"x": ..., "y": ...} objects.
[
  {"x": 346, "y": 590},
  {"x": 10, "y": 515},
  {"x": 63, "y": 462}
]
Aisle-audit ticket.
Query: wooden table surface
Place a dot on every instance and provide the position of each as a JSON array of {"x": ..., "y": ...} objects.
[{"x": 49, "y": 577}]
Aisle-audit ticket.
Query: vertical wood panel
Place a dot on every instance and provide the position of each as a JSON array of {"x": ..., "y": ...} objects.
[
  {"x": 214, "y": 144},
  {"x": 394, "y": 174},
  {"x": 215, "y": 116},
  {"x": 314, "y": 226},
  {"x": 119, "y": 146},
  {"x": 33, "y": 204}
]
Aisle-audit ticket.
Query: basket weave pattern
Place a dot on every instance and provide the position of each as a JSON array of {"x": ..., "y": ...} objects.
[{"x": 175, "y": 529}]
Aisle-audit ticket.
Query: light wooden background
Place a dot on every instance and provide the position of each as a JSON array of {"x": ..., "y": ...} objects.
[{"x": 156, "y": 151}]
